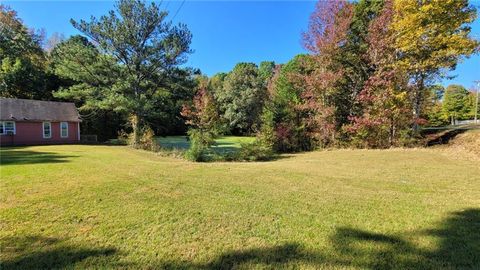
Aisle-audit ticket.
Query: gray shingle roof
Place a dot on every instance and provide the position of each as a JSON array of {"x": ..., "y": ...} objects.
[{"x": 35, "y": 110}]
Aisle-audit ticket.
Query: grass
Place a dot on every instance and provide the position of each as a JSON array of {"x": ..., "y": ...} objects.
[
  {"x": 113, "y": 207},
  {"x": 223, "y": 145}
]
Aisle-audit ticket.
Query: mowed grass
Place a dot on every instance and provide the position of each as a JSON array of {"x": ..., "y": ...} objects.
[
  {"x": 222, "y": 145},
  {"x": 114, "y": 207}
]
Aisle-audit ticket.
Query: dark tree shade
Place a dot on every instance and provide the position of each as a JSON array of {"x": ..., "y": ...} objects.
[{"x": 146, "y": 46}]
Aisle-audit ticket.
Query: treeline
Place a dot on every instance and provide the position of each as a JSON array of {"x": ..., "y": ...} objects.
[
  {"x": 236, "y": 98},
  {"x": 370, "y": 79},
  {"x": 450, "y": 104},
  {"x": 100, "y": 79}
]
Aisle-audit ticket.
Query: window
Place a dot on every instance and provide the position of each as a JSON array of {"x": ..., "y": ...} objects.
[
  {"x": 63, "y": 129},
  {"x": 47, "y": 130},
  {"x": 7, "y": 127}
]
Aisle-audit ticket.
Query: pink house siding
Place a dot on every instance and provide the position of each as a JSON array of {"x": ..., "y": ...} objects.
[
  {"x": 32, "y": 133},
  {"x": 29, "y": 116}
]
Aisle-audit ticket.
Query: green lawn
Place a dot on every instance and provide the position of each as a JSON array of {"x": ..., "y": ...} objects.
[
  {"x": 114, "y": 207},
  {"x": 224, "y": 144}
]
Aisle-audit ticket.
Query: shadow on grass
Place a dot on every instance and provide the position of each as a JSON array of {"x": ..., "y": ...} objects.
[
  {"x": 446, "y": 137},
  {"x": 458, "y": 238},
  {"x": 224, "y": 150},
  {"x": 178, "y": 142},
  {"x": 36, "y": 252},
  {"x": 276, "y": 257},
  {"x": 458, "y": 248},
  {"x": 14, "y": 156}
]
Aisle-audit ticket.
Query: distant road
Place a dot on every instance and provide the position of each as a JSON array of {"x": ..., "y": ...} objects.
[{"x": 467, "y": 125}]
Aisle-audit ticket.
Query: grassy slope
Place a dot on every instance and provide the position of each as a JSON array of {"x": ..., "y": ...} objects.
[
  {"x": 110, "y": 206},
  {"x": 466, "y": 143}
]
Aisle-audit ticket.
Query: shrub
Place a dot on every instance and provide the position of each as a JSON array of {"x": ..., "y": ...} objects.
[
  {"x": 266, "y": 135},
  {"x": 200, "y": 141},
  {"x": 255, "y": 151},
  {"x": 409, "y": 139},
  {"x": 148, "y": 140},
  {"x": 116, "y": 142},
  {"x": 123, "y": 138}
]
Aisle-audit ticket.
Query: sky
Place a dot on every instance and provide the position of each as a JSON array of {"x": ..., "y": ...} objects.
[{"x": 224, "y": 32}]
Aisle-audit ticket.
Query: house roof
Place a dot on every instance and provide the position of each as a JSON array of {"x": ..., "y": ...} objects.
[{"x": 36, "y": 110}]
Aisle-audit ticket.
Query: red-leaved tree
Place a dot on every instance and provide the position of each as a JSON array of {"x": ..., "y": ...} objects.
[
  {"x": 327, "y": 33},
  {"x": 202, "y": 113},
  {"x": 383, "y": 98}
]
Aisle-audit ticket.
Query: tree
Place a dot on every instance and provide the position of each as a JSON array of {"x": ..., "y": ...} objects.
[
  {"x": 84, "y": 71},
  {"x": 431, "y": 37},
  {"x": 266, "y": 70},
  {"x": 91, "y": 75},
  {"x": 434, "y": 107},
  {"x": 52, "y": 41},
  {"x": 323, "y": 97},
  {"x": 145, "y": 46},
  {"x": 356, "y": 67},
  {"x": 215, "y": 84},
  {"x": 283, "y": 112},
  {"x": 22, "y": 61},
  {"x": 474, "y": 104},
  {"x": 242, "y": 98},
  {"x": 175, "y": 88},
  {"x": 456, "y": 103},
  {"x": 202, "y": 114},
  {"x": 383, "y": 98}
]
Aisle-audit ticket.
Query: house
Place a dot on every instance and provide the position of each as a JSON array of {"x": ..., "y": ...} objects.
[{"x": 24, "y": 122}]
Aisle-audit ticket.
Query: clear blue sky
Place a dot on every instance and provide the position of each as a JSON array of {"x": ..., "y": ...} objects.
[{"x": 224, "y": 32}]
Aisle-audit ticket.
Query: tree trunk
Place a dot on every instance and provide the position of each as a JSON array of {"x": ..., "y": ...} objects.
[
  {"x": 417, "y": 103},
  {"x": 391, "y": 135},
  {"x": 134, "y": 121}
]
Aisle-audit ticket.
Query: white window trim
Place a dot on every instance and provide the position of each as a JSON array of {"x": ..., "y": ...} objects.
[
  {"x": 43, "y": 130},
  {"x": 14, "y": 127},
  {"x": 66, "y": 136}
]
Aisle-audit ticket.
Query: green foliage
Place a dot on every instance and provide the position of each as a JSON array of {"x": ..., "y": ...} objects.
[
  {"x": 215, "y": 83},
  {"x": 456, "y": 104},
  {"x": 287, "y": 91},
  {"x": 200, "y": 142},
  {"x": 262, "y": 149},
  {"x": 352, "y": 61},
  {"x": 23, "y": 64},
  {"x": 202, "y": 116},
  {"x": 436, "y": 116},
  {"x": 431, "y": 37},
  {"x": 241, "y": 99},
  {"x": 143, "y": 46},
  {"x": 266, "y": 70},
  {"x": 240, "y": 95},
  {"x": 256, "y": 151},
  {"x": 409, "y": 138},
  {"x": 148, "y": 140},
  {"x": 472, "y": 98},
  {"x": 92, "y": 76},
  {"x": 266, "y": 135}
]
